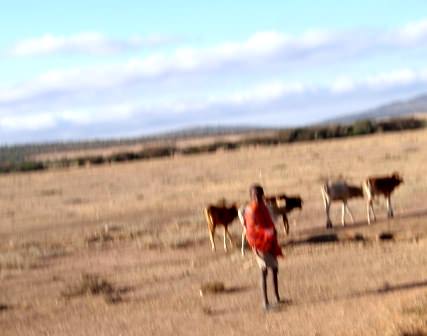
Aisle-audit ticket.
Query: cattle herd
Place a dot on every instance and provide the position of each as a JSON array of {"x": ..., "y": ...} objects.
[{"x": 281, "y": 205}]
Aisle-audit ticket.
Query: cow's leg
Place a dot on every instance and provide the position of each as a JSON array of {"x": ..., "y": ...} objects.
[
  {"x": 373, "y": 211},
  {"x": 343, "y": 214},
  {"x": 225, "y": 234},
  {"x": 389, "y": 207},
  {"x": 368, "y": 210},
  {"x": 349, "y": 212},
  {"x": 285, "y": 223},
  {"x": 211, "y": 228},
  {"x": 327, "y": 208},
  {"x": 211, "y": 236},
  {"x": 370, "y": 207},
  {"x": 230, "y": 239}
]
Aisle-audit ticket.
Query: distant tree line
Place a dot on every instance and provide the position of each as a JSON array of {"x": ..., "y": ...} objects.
[{"x": 16, "y": 163}]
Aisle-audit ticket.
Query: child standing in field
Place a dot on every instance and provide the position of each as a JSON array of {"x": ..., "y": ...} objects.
[{"x": 261, "y": 236}]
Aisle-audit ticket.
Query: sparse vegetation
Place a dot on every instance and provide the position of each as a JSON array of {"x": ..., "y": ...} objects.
[
  {"x": 386, "y": 236},
  {"x": 30, "y": 255},
  {"x": 93, "y": 284},
  {"x": 214, "y": 287}
]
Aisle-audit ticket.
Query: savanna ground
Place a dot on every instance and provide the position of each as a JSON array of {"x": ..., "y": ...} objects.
[{"x": 124, "y": 250}]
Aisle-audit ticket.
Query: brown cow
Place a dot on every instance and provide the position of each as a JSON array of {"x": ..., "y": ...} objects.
[
  {"x": 220, "y": 216},
  {"x": 380, "y": 185}
]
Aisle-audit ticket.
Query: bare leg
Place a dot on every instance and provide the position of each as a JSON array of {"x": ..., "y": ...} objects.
[
  {"x": 243, "y": 241},
  {"x": 264, "y": 288},
  {"x": 276, "y": 284}
]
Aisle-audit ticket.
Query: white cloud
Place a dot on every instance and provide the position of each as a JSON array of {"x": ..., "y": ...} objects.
[
  {"x": 227, "y": 81},
  {"x": 414, "y": 32},
  {"x": 34, "y": 122},
  {"x": 257, "y": 51},
  {"x": 342, "y": 85},
  {"x": 87, "y": 42},
  {"x": 266, "y": 92},
  {"x": 278, "y": 99},
  {"x": 260, "y": 49}
]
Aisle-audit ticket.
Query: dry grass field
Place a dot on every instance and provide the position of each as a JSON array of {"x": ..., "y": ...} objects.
[{"x": 123, "y": 249}]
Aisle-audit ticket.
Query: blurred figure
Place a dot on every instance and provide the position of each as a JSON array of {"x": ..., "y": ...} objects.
[{"x": 262, "y": 237}]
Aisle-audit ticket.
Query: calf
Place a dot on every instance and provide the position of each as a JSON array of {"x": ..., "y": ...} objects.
[
  {"x": 220, "y": 216},
  {"x": 277, "y": 209},
  {"x": 380, "y": 185},
  {"x": 334, "y": 191}
]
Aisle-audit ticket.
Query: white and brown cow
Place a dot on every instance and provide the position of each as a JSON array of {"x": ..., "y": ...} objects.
[
  {"x": 220, "y": 215},
  {"x": 380, "y": 186},
  {"x": 339, "y": 191}
]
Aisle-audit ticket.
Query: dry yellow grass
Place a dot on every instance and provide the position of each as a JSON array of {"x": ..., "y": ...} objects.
[{"x": 140, "y": 226}]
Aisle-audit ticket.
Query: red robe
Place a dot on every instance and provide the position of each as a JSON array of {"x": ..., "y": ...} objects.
[{"x": 260, "y": 230}]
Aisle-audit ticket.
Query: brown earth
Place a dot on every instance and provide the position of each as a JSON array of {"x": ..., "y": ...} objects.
[{"x": 124, "y": 250}]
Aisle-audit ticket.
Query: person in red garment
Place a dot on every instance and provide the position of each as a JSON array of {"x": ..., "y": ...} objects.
[{"x": 261, "y": 236}]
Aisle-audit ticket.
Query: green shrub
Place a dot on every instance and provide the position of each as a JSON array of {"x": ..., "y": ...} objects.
[
  {"x": 363, "y": 127},
  {"x": 96, "y": 160},
  {"x": 30, "y": 166}
]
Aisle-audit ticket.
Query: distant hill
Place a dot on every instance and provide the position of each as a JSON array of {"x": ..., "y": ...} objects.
[{"x": 395, "y": 109}]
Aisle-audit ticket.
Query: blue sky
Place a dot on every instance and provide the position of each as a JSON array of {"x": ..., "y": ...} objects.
[{"x": 97, "y": 69}]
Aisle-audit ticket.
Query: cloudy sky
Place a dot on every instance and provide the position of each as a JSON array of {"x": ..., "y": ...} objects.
[{"x": 100, "y": 69}]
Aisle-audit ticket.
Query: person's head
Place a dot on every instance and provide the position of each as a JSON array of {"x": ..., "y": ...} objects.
[{"x": 256, "y": 193}]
